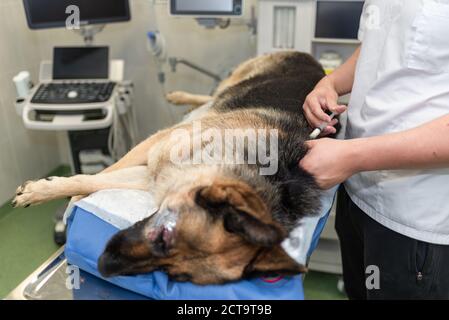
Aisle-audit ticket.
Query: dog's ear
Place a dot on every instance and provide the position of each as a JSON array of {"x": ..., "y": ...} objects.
[
  {"x": 242, "y": 210},
  {"x": 274, "y": 261}
]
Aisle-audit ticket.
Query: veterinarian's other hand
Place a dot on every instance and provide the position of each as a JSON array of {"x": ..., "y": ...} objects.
[
  {"x": 329, "y": 161},
  {"x": 323, "y": 97}
]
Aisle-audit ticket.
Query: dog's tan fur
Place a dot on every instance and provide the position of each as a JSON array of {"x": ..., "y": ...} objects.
[{"x": 128, "y": 172}]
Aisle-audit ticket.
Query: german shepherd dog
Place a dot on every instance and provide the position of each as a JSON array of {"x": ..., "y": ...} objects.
[{"x": 216, "y": 222}]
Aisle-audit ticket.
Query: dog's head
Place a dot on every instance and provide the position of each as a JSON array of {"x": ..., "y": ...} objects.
[{"x": 211, "y": 234}]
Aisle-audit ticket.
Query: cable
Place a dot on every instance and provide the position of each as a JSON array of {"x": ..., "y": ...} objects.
[{"x": 123, "y": 132}]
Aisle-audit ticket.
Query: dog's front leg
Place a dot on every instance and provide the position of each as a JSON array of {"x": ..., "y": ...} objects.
[
  {"x": 185, "y": 98},
  {"x": 35, "y": 192}
]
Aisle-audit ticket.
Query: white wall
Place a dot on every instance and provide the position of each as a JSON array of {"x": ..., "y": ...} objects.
[{"x": 25, "y": 154}]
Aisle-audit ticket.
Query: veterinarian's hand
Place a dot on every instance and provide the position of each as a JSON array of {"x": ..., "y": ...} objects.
[
  {"x": 323, "y": 97},
  {"x": 329, "y": 161}
]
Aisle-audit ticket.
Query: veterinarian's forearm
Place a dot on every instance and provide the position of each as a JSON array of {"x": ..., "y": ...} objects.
[
  {"x": 426, "y": 146},
  {"x": 343, "y": 77}
]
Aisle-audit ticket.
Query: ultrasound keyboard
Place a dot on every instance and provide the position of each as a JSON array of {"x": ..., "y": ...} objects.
[{"x": 73, "y": 93}]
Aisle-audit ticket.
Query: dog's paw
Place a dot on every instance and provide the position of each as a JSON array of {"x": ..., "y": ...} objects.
[
  {"x": 177, "y": 97},
  {"x": 19, "y": 199},
  {"x": 32, "y": 192}
]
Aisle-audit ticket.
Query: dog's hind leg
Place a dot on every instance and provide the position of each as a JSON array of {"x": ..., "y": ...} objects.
[
  {"x": 35, "y": 192},
  {"x": 185, "y": 98}
]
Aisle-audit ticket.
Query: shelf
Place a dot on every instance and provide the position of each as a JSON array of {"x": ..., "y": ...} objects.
[{"x": 336, "y": 41}]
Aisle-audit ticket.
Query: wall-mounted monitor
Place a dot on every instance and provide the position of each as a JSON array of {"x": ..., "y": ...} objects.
[
  {"x": 338, "y": 19},
  {"x": 206, "y": 8},
  {"x": 52, "y": 13}
]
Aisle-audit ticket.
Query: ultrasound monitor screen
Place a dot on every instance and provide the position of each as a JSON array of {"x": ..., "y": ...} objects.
[{"x": 80, "y": 63}]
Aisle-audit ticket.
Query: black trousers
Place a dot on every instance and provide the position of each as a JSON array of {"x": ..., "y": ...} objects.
[{"x": 379, "y": 263}]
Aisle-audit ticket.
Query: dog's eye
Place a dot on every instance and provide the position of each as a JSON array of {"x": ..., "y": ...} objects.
[{"x": 182, "y": 277}]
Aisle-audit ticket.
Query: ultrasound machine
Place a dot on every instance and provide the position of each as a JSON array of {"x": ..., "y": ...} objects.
[{"x": 80, "y": 88}]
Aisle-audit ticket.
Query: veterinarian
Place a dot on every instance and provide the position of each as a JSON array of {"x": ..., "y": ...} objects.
[{"x": 393, "y": 208}]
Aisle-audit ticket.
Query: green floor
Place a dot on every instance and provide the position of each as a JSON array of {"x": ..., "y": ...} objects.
[
  {"x": 322, "y": 286},
  {"x": 27, "y": 241}
]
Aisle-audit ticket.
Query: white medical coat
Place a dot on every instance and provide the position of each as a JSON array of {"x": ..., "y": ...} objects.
[{"x": 401, "y": 82}]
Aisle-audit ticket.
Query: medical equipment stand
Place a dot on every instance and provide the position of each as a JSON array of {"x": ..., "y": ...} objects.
[{"x": 88, "y": 33}]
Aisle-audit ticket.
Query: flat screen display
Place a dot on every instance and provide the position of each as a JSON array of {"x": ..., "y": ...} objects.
[
  {"x": 52, "y": 13},
  {"x": 206, "y": 7},
  {"x": 338, "y": 19},
  {"x": 80, "y": 63}
]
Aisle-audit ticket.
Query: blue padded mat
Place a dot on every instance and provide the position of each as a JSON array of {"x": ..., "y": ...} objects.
[{"x": 87, "y": 238}]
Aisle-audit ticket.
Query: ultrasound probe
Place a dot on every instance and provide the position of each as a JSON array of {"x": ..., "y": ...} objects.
[{"x": 315, "y": 133}]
